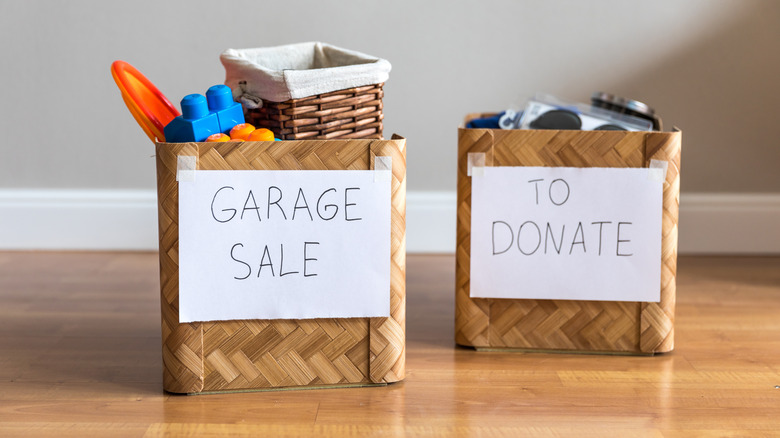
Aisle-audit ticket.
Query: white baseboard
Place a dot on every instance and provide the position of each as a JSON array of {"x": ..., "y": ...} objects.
[
  {"x": 127, "y": 220},
  {"x": 431, "y": 222},
  {"x": 78, "y": 219},
  {"x": 729, "y": 223}
]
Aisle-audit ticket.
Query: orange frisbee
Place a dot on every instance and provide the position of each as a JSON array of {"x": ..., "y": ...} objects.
[{"x": 149, "y": 107}]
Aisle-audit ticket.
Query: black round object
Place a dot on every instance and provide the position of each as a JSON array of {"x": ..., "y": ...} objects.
[
  {"x": 557, "y": 119},
  {"x": 610, "y": 127},
  {"x": 625, "y": 106}
]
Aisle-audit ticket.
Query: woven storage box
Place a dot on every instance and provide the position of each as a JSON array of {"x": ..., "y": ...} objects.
[
  {"x": 588, "y": 326},
  {"x": 350, "y": 113},
  {"x": 269, "y": 354},
  {"x": 309, "y": 90}
]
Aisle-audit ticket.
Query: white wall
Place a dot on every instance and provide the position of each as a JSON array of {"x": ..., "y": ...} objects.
[{"x": 707, "y": 66}]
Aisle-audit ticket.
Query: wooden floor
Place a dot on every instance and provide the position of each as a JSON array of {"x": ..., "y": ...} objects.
[{"x": 80, "y": 355}]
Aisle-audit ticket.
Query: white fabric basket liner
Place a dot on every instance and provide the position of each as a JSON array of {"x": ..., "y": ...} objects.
[{"x": 296, "y": 71}]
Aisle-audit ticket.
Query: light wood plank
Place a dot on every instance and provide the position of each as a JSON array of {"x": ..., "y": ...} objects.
[{"x": 80, "y": 355}]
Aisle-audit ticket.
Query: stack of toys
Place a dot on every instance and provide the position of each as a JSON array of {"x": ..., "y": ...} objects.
[{"x": 215, "y": 117}]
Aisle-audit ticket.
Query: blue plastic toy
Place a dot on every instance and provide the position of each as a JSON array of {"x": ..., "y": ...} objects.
[
  {"x": 195, "y": 123},
  {"x": 229, "y": 113}
]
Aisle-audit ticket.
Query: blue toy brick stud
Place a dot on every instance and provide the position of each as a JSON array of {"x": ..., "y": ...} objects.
[
  {"x": 193, "y": 107},
  {"x": 195, "y": 123},
  {"x": 229, "y": 113},
  {"x": 219, "y": 97}
]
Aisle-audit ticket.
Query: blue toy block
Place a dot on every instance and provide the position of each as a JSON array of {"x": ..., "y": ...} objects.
[
  {"x": 229, "y": 113},
  {"x": 195, "y": 123}
]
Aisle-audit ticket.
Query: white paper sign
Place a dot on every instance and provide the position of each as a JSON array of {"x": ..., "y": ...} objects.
[
  {"x": 284, "y": 245},
  {"x": 566, "y": 233}
]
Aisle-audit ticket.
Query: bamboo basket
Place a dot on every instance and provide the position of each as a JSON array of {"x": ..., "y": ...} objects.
[
  {"x": 351, "y": 113},
  {"x": 277, "y": 354},
  {"x": 563, "y": 325}
]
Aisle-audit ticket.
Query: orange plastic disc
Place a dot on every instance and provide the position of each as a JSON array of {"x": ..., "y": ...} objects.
[{"x": 150, "y": 108}]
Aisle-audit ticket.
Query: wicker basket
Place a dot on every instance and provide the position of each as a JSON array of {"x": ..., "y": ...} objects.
[
  {"x": 587, "y": 326},
  {"x": 351, "y": 113},
  {"x": 309, "y": 90},
  {"x": 273, "y": 354}
]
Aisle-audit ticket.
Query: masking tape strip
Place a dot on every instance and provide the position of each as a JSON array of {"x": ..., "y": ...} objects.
[
  {"x": 383, "y": 168},
  {"x": 657, "y": 170},
  {"x": 186, "y": 166},
  {"x": 476, "y": 164}
]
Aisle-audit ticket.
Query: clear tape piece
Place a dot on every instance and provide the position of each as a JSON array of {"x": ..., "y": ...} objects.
[
  {"x": 383, "y": 168},
  {"x": 476, "y": 164},
  {"x": 186, "y": 166},
  {"x": 657, "y": 170}
]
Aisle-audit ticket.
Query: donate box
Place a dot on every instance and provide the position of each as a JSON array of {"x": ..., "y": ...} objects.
[
  {"x": 567, "y": 240},
  {"x": 282, "y": 264}
]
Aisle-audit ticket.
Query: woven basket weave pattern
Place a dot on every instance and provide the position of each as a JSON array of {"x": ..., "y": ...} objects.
[
  {"x": 597, "y": 326},
  {"x": 350, "y": 113},
  {"x": 265, "y": 354}
]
